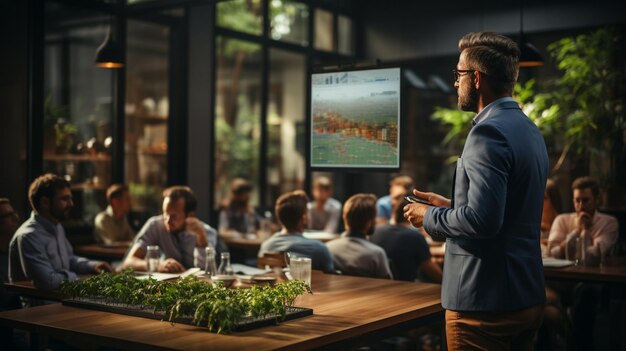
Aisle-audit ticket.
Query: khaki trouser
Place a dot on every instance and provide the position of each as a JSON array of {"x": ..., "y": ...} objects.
[{"x": 493, "y": 331}]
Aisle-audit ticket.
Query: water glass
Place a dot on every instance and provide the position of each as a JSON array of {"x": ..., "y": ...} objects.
[
  {"x": 153, "y": 258},
  {"x": 300, "y": 269}
]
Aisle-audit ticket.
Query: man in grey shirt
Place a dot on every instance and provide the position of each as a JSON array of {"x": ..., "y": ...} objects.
[
  {"x": 111, "y": 225},
  {"x": 292, "y": 214},
  {"x": 180, "y": 235},
  {"x": 39, "y": 250},
  {"x": 353, "y": 253},
  {"x": 324, "y": 211}
]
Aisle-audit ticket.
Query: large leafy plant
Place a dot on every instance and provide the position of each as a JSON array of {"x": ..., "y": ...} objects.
[{"x": 213, "y": 306}]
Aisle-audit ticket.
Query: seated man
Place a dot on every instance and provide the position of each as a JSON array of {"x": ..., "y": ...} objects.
[
  {"x": 291, "y": 212},
  {"x": 406, "y": 247},
  {"x": 237, "y": 216},
  {"x": 111, "y": 225},
  {"x": 598, "y": 231},
  {"x": 399, "y": 185},
  {"x": 39, "y": 250},
  {"x": 352, "y": 253},
  {"x": 181, "y": 237},
  {"x": 324, "y": 211}
]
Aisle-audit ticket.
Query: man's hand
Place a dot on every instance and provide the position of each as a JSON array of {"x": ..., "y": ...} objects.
[
  {"x": 103, "y": 267},
  {"x": 414, "y": 213},
  {"x": 170, "y": 265},
  {"x": 193, "y": 225},
  {"x": 433, "y": 198},
  {"x": 584, "y": 221}
]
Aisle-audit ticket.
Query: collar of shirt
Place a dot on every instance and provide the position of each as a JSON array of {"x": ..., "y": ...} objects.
[
  {"x": 488, "y": 110},
  {"x": 46, "y": 224},
  {"x": 109, "y": 211}
]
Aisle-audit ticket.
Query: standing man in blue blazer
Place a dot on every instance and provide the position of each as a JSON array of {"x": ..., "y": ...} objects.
[{"x": 493, "y": 285}]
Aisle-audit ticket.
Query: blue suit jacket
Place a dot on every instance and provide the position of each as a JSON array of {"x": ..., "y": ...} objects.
[{"x": 493, "y": 255}]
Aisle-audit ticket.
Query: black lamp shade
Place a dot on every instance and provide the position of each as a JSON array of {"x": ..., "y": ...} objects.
[
  {"x": 529, "y": 55},
  {"x": 109, "y": 54}
]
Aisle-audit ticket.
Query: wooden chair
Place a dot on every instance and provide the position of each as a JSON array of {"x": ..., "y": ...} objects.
[{"x": 272, "y": 259}]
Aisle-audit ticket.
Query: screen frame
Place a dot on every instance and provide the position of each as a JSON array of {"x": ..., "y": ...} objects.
[{"x": 309, "y": 128}]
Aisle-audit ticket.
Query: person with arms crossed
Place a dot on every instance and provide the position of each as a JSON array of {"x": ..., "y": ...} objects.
[
  {"x": 111, "y": 225},
  {"x": 39, "y": 250},
  {"x": 493, "y": 284},
  {"x": 180, "y": 235}
]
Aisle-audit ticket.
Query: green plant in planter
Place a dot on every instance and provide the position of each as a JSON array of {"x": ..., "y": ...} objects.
[
  {"x": 213, "y": 306},
  {"x": 582, "y": 111}
]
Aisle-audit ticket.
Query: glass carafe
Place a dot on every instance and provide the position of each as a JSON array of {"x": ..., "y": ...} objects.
[{"x": 225, "y": 267}]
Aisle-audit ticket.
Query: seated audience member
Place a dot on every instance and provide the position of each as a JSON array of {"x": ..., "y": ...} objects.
[
  {"x": 324, "y": 211},
  {"x": 551, "y": 208},
  {"x": 399, "y": 185},
  {"x": 39, "y": 250},
  {"x": 291, "y": 211},
  {"x": 9, "y": 221},
  {"x": 111, "y": 225},
  {"x": 352, "y": 253},
  {"x": 406, "y": 247},
  {"x": 180, "y": 235},
  {"x": 597, "y": 231},
  {"x": 237, "y": 216}
]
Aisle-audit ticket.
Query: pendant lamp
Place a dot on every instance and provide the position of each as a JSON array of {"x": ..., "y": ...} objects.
[
  {"x": 109, "y": 53},
  {"x": 529, "y": 55}
]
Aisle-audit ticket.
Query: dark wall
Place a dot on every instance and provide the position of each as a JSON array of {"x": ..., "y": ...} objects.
[{"x": 13, "y": 101}]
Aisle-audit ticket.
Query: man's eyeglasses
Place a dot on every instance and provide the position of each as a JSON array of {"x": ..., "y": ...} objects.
[{"x": 460, "y": 72}]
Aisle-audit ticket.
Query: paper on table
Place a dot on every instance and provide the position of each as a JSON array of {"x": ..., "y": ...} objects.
[
  {"x": 552, "y": 262},
  {"x": 166, "y": 276},
  {"x": 247, "y": 270}
]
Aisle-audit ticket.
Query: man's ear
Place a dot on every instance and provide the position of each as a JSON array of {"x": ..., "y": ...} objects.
[
  {"x": 45, "y": 203},
  {"x": 478, "y": 79}
]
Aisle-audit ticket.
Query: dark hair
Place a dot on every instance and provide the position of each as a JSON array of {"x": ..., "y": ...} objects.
[
  {"x": 402, "y": 180},
  {"x": 358, "y": 210},
  {"x": 290, "y": 207},
  {"x": 585, "y": 183},
  {"x": 46, "y": 185},
  {"x": 323, "y": 182},
  {"x": 494, "y": 55},
  {"x": 116, "y": 191},
  {"x": 182, "y": 192},
  {"x": 239, "y": 186},
  {"x": 553, "y": 194}
]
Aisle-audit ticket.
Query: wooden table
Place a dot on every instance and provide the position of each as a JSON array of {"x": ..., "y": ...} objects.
[
  {"x": 103, "y": 252},
  {"x": 613, "y": 272},
  {"x": 346, "y": 310}
]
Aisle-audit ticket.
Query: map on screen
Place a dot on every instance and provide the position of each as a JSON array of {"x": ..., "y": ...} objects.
[{"x": 355, "y": 119}]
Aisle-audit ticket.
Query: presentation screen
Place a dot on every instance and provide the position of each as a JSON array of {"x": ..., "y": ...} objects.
[{"x": 355, "y": 119}]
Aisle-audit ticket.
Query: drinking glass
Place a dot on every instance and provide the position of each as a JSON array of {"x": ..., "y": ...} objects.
[
  {"x": 300, "y": 269},
  {"x": 153, "y": 258}
]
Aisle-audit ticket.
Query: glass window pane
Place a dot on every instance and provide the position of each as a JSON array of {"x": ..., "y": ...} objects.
[
  {"x": 241, "y": 15},
  {"x": 346, "y": 35},
  {"x": 285, "y": 124},
  {"x": 238, "y": 115},
  {"x": 324, "y": 29},
  {"x": 147, "y": 112},
  {"x": 78, "y": 111},
  {"x": 289, "y": 21}
]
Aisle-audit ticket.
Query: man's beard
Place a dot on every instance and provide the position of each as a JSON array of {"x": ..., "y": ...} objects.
[
  {"x": 61, "y": 215},
  {"x": 468, "y": 99}
]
